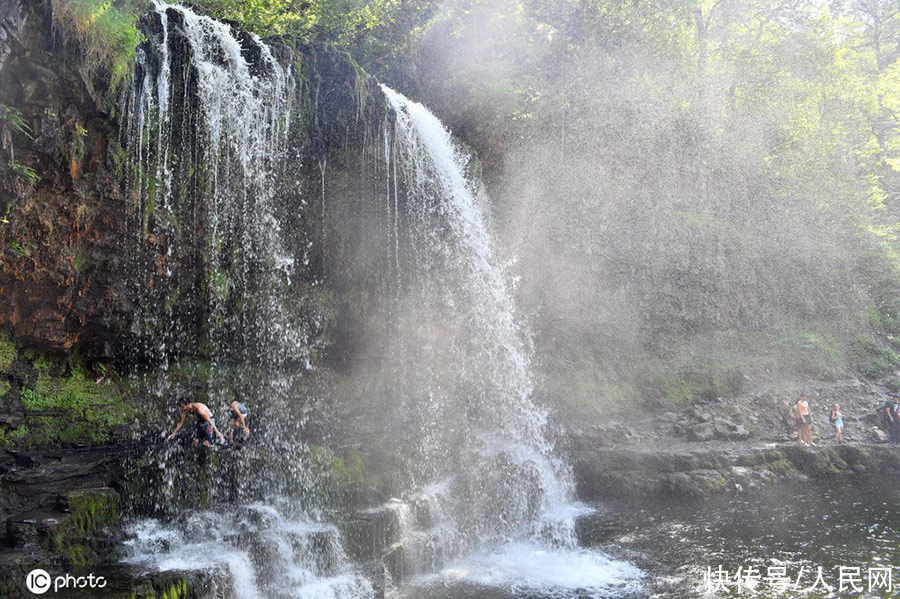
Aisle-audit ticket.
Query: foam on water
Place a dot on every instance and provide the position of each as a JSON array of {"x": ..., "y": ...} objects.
[{"x": 527, "y": 568}]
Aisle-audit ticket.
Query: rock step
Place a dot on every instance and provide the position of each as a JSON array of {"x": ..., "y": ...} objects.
[{"x": 695, "y": 470}]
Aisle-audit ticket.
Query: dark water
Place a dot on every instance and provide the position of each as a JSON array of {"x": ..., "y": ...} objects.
[
  {"x": 800, "y": 526},
  {"x": 797, "y": 528}
]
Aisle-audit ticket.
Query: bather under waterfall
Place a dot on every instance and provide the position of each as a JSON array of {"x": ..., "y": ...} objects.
[{"x": 226, "y": 238}]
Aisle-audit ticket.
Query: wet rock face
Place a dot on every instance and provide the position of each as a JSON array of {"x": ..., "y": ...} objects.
[
  {"x": 69, "y": 244},
  {"x": 12, "y": 22},
  {"x": 59, "y": 196}
]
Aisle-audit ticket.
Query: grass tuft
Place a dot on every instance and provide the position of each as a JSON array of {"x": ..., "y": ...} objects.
[{"x": 104, "y": 31}]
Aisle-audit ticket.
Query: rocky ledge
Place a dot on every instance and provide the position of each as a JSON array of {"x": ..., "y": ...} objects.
[
  {"x": 735, "y": 444},
  {"x": 700, "y": 469}
]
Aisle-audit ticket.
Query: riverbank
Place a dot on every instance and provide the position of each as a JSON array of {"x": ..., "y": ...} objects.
[{"x": 734, "y": 444}]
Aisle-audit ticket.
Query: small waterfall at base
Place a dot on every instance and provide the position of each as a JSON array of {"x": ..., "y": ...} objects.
[
  {"x": 501, "y": 506},
  {"x": 268, "y": 552}
]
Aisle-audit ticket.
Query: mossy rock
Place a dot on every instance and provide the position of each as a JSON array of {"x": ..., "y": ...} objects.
[
  {"x": 169, "y": 587},
  {"x": 697, "y": 483},
  {"x": 822, "y": 463},
  {"x": 8, "y": 355},
  {"x": 90, "y": 511},
  {"x": 65, "y": 407},
  {"x": 780, "y": 467}
]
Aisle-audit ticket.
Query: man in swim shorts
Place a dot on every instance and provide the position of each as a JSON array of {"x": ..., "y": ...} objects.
[{"x": 205, "y": 428}]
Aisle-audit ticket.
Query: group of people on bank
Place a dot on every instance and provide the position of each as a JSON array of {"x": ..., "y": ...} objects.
[
  {"x": 205, "y": 430},
  {"x": 803, "y": 420}
]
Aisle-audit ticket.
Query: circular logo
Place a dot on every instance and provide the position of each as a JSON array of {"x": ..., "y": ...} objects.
[{"x": 38, "y": 581}]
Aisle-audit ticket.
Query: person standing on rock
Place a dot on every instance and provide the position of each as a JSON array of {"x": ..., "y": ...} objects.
[
  {"x": 798, "y": 422},
  {"x": 804, "y": 413},
  {"x": 206, "y": 426},
  {"x": 837, "y": 420},
  {"x": 893, "y": 413}
]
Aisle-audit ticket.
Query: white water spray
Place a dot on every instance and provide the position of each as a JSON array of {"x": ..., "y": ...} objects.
[{"x": 506, "y": 516}]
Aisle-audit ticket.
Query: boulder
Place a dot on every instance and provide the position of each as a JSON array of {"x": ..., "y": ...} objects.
[
  {"x": 878, "y": 435},
  {"x": 701, "y": 432},
  {"x": 12, "y": 21},
  {"x": 727, "y": 430}
]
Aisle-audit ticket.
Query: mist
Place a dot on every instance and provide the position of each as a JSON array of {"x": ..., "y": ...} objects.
[{"x": 690, "y": 197}]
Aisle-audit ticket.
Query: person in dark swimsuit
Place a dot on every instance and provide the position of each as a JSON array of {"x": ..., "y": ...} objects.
[
  {"x": 205, "y": 431},
  {"x": 892, "y": 410},
  {"x": 238, "y": 413}
]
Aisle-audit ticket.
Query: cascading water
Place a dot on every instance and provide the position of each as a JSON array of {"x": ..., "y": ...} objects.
[
  {"x": 205, "y": 123},
  {"x": 505, "y": 512},
  {"x": 207, "y": 118},
  {"x": 461, "y": 275}
]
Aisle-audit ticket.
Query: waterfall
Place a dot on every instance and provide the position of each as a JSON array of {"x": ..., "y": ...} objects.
[
  {"x": 206, "y": 127},
  {"x": 205, "y": 123},
  {"x": 501, "y": 506},
  {"x": 452, "y": 242}
]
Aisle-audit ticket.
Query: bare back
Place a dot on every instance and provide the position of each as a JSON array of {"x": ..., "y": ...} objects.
[{"x": 203, "y": 412}]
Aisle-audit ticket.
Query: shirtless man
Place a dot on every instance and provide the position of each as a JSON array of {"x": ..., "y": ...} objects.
[
  {"x": 798, "y": 422},
  {"x": 206, "y": 426},
  {"x": 804, "y": 413}
]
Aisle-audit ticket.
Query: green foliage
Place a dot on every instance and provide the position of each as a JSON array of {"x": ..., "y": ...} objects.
[
  {"x": 811, "y": 352},
  {"x": 697, "y": 382},
  {"x": 874, "y": 358},
  {"x": 105, "y": 32},
  {"x": 89, "y": 511},
  {"x": 78, "y": 261},
  {"x": 19, "y": 250},
  {"x": 13, "y": 437},
  {"x": 177, "y": 590},
  {"x": 70, "y": 410},
  {"x": 341, "y": 21},
  {"x": 12, "y": 116},
  {"x": 263, "y": 17},
  {"x": 24, "y": 171}
]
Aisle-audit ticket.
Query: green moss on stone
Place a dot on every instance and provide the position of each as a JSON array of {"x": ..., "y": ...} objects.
[
  {"x": 90, "y": 511},
  {"x": 7, "y": 354},
  {"x": 714, "y": 483},
  {"x": 177, "y": 590},
  {"x": 71, "y": 409},
  {"x": 780, "y": 466},
  {"x": 13, "y": 437},
  {"x": 335, "y": 472}
]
